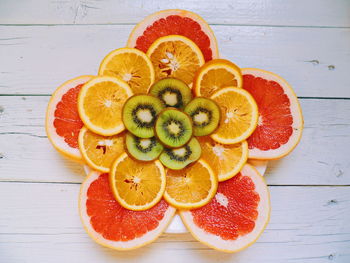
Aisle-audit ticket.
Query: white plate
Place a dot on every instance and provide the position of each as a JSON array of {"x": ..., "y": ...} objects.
[{"x": 176, "y": 226}]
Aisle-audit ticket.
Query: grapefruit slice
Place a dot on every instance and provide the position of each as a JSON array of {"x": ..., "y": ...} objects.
[
  {"x": 236, "y": 216},
  {"x": 174, "y": 22},
  {"x": 280, "y": 121},
  {"x": 63, "y": 123},
  {"x": 111, "y": 225}
]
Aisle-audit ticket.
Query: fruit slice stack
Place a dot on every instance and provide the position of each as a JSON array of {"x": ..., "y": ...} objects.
[{"x": 166, "y": 124}]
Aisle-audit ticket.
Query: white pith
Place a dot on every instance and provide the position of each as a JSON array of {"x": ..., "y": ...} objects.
[
  {"x": 119, "y": 245},
  {"x": 242, "y": 241},
  {"x": 58, "y": 141},
  {"x": 229, "y": 116},
  {"x": 108, "y": 103},
  {"x": 218, "y": 151},
  {"x": 221, "y": 199},
  {"x": 105, "y": 142},
  {"x": 298, "y": 122},
  {"x": 136, "y": 180},
  {"x": 127, "y": 77}
]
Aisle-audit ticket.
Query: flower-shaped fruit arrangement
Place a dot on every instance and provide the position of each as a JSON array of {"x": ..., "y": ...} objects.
[{"x": 168, "y": 126}]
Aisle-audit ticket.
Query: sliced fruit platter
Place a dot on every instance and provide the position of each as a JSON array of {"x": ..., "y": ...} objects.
[{"x": 166, "y": 127}]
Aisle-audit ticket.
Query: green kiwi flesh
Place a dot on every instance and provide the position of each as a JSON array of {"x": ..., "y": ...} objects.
[
  {"x": 140, "y": 113},
  {"x": 179, "y": 158},
  {"x": 172, "y": 92},
  {"x": 205, "y": 114},
  {"x": 143, "y": 149},
  {"x": 173, "y": 127}
]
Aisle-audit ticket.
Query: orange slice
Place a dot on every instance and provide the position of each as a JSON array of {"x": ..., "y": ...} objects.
[
  {"x": 130, "y": 65},
  {"x": 175, "y": 56},
  {"x": 215, "y": 75},
  {"x": 100, "y": 104},
  {"x": 191, "y": 187},
  {"x": 137, "y": 185},
  {"x": 100, "y": 151},
  {"x": 226, "y": 160},
  {"x": 239, "y": 115}
]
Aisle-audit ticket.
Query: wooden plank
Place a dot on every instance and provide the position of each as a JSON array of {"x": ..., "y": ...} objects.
[
  {"x": 320, "y": 158},
  {"x": 251, "y": 12},
  {"x": 35, "y": 60},
  {"x": 40, "y": 222}
]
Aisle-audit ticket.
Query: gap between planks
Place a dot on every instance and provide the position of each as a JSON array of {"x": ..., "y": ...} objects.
[
  {"x": 211, "y": 24},
  {"x": 311, "y": 68}
]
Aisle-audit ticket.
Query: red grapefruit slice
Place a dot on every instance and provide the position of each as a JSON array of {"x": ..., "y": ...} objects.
[
  {"x": 174, "y": 22},
  {"x": 236, "y": 216},
  {"x": 63, "y": 123},
  {"x": 111, "y": 225},
  {"x": 280, "y": 122}
]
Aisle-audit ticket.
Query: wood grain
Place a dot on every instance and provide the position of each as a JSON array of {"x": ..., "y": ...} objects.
[
  {"x": 248, "y": 12},
  {"x": 36, "y": 59},
  {"x": 41, "y": 224},
  {"x": 320, "y": 158},
  {"x": 43, "y": 43}
]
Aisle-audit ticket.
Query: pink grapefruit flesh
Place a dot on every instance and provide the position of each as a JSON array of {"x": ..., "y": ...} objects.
[
  {"x": 174, "y": 22},
  {"x": 280, "y": 120},
  {"x": 236, "y": 216},
  {"x": 114, "y": 226},
  {"x": 63, "y": 123},
  {"x": 67, "y": 121}
]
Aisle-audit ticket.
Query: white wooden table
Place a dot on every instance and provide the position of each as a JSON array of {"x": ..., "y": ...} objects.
[{"x": 43, "y": 43}]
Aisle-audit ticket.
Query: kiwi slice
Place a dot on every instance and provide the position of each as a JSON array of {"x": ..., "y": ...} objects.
[
  {"x": 172, "y": 92},
  {"x": 205, "y": 114},
  {"x": 179, "y": 158},
  {"x": 173, "y": 127},
  {"x": 140, "y": 113},
  {"x": 143, "y": 149}
]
